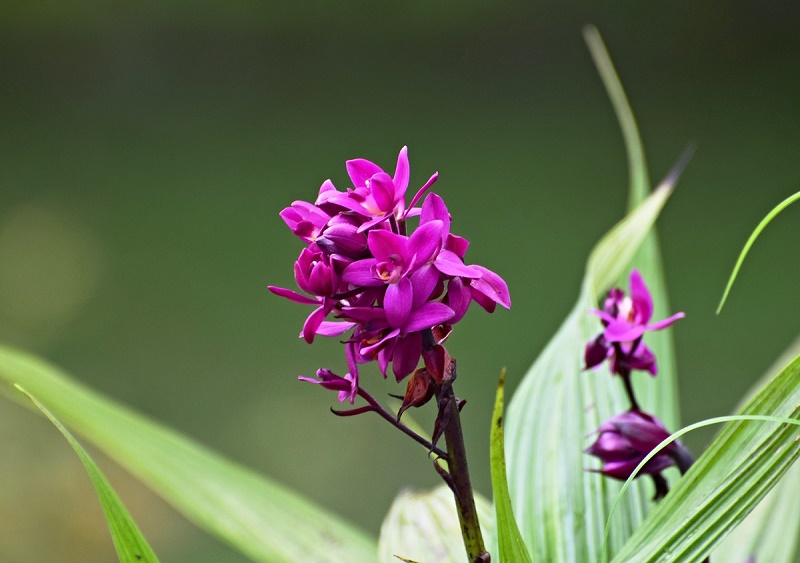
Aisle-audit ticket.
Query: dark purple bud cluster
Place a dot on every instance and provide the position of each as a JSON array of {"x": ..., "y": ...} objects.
[{"x": 626, "y": 439}]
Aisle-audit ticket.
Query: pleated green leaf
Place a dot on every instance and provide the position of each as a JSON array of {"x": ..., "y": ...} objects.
[
  {"x": 128, "y": 540},
  {"x": 511, "y": 547},
  {"x": 771, "y": 532},
  {"x": 423, "y": 526},
  {"x": 737, "y": 470},
  {"x": 260, "y": 518},
  {"x": 760, "y": 227},
  {"x": 561, "y": 509},
  {"x": 662, "y": 397}
]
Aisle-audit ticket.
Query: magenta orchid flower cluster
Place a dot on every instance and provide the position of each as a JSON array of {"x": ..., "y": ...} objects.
[
  {"x": 626, "y": 439},
  {"x": 362, "y": 269},
  {"x": 393, "y": 295}
]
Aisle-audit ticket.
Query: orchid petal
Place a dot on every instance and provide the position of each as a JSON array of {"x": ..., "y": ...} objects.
[
  {"x": 424, "y": 281},
  {"x": 640, "y": 295},
  {"x": 421, "y": 192},
  {"x": 384, "y": 244},
  {"x": 292, "y": 295},
  {"x": 622, "y": 331},
  {"x": 383, "y": 191},
  {"x": 450, "y": 264},
  {"x": 459, "y": 296},
  {"x": 492, "y": 286},
  {"x": 402, "y": 173},
  {"x": 372, "y": 222},
  {"x": 360, "y": 272},
  {"x": 361, "y": 170},
  {"x": 665, "y": 323},
  {"x": 427, "y": 316},
  {"x": 397, "y": 302},
  {"x": 407, "y": 352},
  {"x": 334, "y": 328},
  {"x": 425, "y": 241},
  {"x": 435, "y": 209},
  {"x": 312, "y": 323}
]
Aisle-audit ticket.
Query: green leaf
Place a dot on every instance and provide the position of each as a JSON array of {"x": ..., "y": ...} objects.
[
  {"x": 771, "y": 532},
  {"x": 128, "y": 540},
  {"x": 423, "y": 526},
  {"x": 764, "y": 222},
  {"x": 663, "y": 395},
  {"x": 561, "y": 509},
  {"x": 742, "y": 464},
  {"x": 260, "y": 518},
  {"x": 511, "y": 547}
]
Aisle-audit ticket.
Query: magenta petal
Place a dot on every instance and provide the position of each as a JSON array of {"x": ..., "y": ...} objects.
[
  {"x": 312, "y": 324},
  {"x": 424, "y": 281},
  {"x": 402, "y": 173},
  {"x": 365, "y": 314},
  {"x": 603, "y": 315},
  {"x": 292, "y": 295},
  {"x": 427, "y": 316},
  {"x": 382, "y": 189},
  {"x": 360, "y": 272},
  {"x": 459, "y": 296},
  {"x": 492, "y": 286},
  {"x": 622, "y": 331},
  {"x": 397, "y": 302},
  {"x": 481, "y": 299},
  {"x": 642, "y": 301},
  {"x": 361, "y": 170},
  {"x": 334, "y": 328},
  {"x": 425, "y": 241},
  {"x": 665, "y": 323},
  {"x": 384, "y": 244},
  {"x": 435, "y": 209},
  {"x": 450, "y": 264},
  {"x": 407, "y": 352},
  {"x": 421, "y": 192},
  {"x": 457, "y": 244}
]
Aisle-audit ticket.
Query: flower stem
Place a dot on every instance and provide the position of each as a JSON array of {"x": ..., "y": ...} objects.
[
  {"x": 376, "y": 407},
  {"x": 459, "y": 480}
]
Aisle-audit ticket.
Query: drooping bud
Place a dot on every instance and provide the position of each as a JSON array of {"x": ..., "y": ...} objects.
[
  {"x": 419, "y": 391},
  {"x": 624, "y": 440}
]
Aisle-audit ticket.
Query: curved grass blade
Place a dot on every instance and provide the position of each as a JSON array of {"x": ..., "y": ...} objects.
[
  {"x": 771, "y": 532},
  {"x": 423, "y": 526},
  {"x": 560, "y": 508},
  {"x": 739, "y": 468},
  {"x": 764, "y": 222},
  {"x": 511, "y": 546},
  {"x": 260, "y": 518},
  {"x": 128, "y": 540}
]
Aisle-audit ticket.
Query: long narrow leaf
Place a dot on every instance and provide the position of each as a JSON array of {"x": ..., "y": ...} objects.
[
  {"x": 761, "y": 226},
  {"x": 739, "y": 468},
  {"x": 260, "y": 518},
  {"x": 511, "y": 546},
  {"x": 128, "y": 540},
  {"x": 771, "y": 532}
]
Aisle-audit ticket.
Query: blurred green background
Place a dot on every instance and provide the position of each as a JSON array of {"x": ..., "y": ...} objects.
[{"x": 146, "y": 149}]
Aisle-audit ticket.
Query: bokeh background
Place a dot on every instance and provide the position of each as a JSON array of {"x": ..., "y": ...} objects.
[{"x": 146, "y": 149}]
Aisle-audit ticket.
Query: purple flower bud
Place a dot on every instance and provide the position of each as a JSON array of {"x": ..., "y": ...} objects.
[
  {"x": 347, "y": 386},
  {"x": 624, "y": 440}
]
